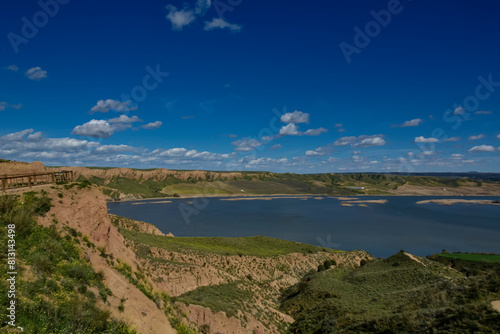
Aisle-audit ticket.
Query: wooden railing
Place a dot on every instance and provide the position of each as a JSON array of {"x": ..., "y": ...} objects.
[{"x": 23, "y": 180}]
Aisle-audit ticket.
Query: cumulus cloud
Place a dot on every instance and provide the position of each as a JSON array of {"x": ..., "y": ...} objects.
[
  {"x": 275, "y": 147},
  {"x": 94, "y": 128},
  {"x": 290, "y": 130},
  {"x": 482, "y": 148},
  {"x": 24, "y": 142},
  {"x": 13, "y": 68},
  {"x": 315, "y": 132},
  {"x": 453, "y": 139},
  {"x": 422, "y": 139},
  {"x": 295, "y": 117},
  {"x": 481, "y": 136},
  {"x": 36, "y": 73},
  {"x": 179, "y": 18},
  {"x": 483, "y": 112},
  {"x": 154, "y": 125},
  {"x": 246, "y": 144},
  {"x": 125, "y": 119},
  {"x": 361, "y": 141},
  {"x": 320, "y": 151},
  {"x": 109, "y": 104},
  {"x": 413, "y": 122},
  {"x": 218, "y": 23},
  {"x": 16, "y": 136},
  {"x": 498, "y": 136}
]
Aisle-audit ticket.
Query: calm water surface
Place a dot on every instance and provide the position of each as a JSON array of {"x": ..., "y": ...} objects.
[{"x": 380, "y": 229}]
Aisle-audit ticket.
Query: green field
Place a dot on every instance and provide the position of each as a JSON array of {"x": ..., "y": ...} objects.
[
  {"x": 491, "y": 258},
  {"x": 252, "y": 246}
]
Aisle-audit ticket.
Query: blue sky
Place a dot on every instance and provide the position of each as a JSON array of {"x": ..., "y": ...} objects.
[{"x": 322, "y": 86}]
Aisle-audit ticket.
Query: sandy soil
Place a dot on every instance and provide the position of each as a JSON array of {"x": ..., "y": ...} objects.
[
  {"x": 496, "y": 305},
  {"x": 485, "y": 190},
  {"x": 372, "y": 201},
  {"x": 459, "y": 201}
]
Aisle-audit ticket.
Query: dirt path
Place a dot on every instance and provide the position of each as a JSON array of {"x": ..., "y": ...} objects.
[
  {"x": 496, "y": 305},
  {"x": 415, "y": 259}
]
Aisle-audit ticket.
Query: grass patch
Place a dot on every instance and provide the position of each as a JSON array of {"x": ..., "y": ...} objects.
[
  {"x": 252, "y": 246},
  {"x": 228, "y": 298},
  {"x": 476, "y": 257}
]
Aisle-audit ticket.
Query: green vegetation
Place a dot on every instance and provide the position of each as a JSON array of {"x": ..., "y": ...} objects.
[
  {"x": 228, "y": 298},
  {"x": 493, "y": 258},
  {"x": 253, "y": 246},
  {"x": 394, "y": 295},
  {"x": 53, "y": 281}
]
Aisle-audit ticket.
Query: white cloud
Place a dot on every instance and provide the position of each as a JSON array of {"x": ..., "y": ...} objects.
[
  {"x": 459, "y": 111},
  {"x": 290, "y": 130},
  {"x": 483, "y": 112},
  {"x": 453, "y": 139},
  {"x": 246, "y": 144},
  {"x": 218, "y": 23},
  {"x": 16, "y": 136},
  {"x": 35, "y": 136},
  {"x": 482, "y": 148},
  {"x": 498, "y": 136},
  {"x": 183, "y": 155},
  {"x": 361, "y": 141},
  {"x": 457, "y": 156},
  {"x": 109, "y": 104},
  {"x": 94, "y": 128},
  {"x": 320, "y": 151},
  {"x": 338, "y": 125},
  {"x": 154, "y": 125},
  {"x": 275, "y": 147},
  {"x": 413, "y": 122},
  {"x": 5, "y": 105},
  {"x": 252, "y": 161},
  {"x": 125, "y": 119},
  {"x": 421, "y": 139},
  {"x": 481, "y": 136},
  {"x": 179, "y": 18},
  {"x": 13, "y": 68},
  {"x": 113, "y": 149},
  {"x": 36, "y": 73},
  {"x": 202, "y": 6},
  {"x": 315, "y": 132},
  {"x": 295, "y": 117},
  {"x": 373, "y": 141}
]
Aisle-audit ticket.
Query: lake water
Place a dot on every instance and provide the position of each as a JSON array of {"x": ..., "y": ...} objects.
[{"x": 380, "y": 229}]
